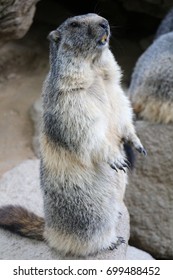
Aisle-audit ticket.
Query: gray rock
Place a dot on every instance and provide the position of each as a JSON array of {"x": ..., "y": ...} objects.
[
  {"x": 136, "y": 254},
  {"x": 149, "y": 196},
  {"x": 21, "y": 186},
  {"x": 15, "y": 18}
]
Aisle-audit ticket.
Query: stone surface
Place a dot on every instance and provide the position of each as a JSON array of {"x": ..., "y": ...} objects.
[
  {"x": 15, "y": 18},
  {"x": 136, "y": 254},
  {"x": 21, "y": 186},
  {"x": 149, "y": 195}
]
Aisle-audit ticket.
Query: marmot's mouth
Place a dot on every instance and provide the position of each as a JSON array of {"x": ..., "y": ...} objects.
[{"x": 103, "y": 40}]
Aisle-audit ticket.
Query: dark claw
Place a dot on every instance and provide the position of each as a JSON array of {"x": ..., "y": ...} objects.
[
  {"x": 121, "y": 168},
  {"x": 142, "y": 151},
  {"x": 113, "y": 246},
  {"x": 121, "y": 240},
  {"x": 113, "y": 167},
  {"x": 118, "y": 243},
  {"x": 120, "y": 215},
  {"x": 128, "y": 163}
]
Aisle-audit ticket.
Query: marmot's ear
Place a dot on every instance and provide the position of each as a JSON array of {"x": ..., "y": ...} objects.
[{"x": 54, "y": 35}]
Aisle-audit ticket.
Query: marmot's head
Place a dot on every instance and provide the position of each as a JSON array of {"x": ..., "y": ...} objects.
[{"x": 82, "y": 35}]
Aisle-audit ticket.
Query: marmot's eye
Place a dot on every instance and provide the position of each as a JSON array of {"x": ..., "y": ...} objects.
[{"x": 75, "y": 24}]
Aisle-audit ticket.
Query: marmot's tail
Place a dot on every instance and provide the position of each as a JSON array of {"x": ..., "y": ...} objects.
[{"x": 19, "y": 220}]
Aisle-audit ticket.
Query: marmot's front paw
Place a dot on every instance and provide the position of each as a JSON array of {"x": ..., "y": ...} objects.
[
  {"x": 120, "y": 164},
  {"x": 118, "y": 243}
]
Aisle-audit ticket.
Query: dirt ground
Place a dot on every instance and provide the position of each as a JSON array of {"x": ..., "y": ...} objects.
[{"x": 23, "y": 67}]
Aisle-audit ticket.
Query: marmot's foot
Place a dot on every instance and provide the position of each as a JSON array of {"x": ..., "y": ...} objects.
[
  {"x": 141, "y": 150},
  {"x": 118, "y": 243},
  {"x": 138, "y": 146}
]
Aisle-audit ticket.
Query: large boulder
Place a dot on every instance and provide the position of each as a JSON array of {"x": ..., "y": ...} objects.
[
  {"x": 21, "y": 186},
  {"x": 137, "y": 254},
  {"x": 15, "y": 18},
  {"x": 149, "y": 196}
]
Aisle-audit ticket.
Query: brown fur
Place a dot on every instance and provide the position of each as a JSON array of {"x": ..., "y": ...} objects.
[
  {"x": 153, "y": 109},
  {"x": 17, "y": 219}
]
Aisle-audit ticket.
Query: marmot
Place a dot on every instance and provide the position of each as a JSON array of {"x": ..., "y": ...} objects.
[
  {"x": 151, "y": 87},
  {"x": 86, "y": 119}
]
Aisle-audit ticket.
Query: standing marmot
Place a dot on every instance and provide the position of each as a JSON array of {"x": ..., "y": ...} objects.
[{"x": 86, "y": 118}]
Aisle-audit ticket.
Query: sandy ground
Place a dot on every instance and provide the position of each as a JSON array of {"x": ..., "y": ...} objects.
[{"x": 23, "y": 67}]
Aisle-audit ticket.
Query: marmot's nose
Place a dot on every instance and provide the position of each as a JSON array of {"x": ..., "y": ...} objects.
[{"x": 104, "y": 25}]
